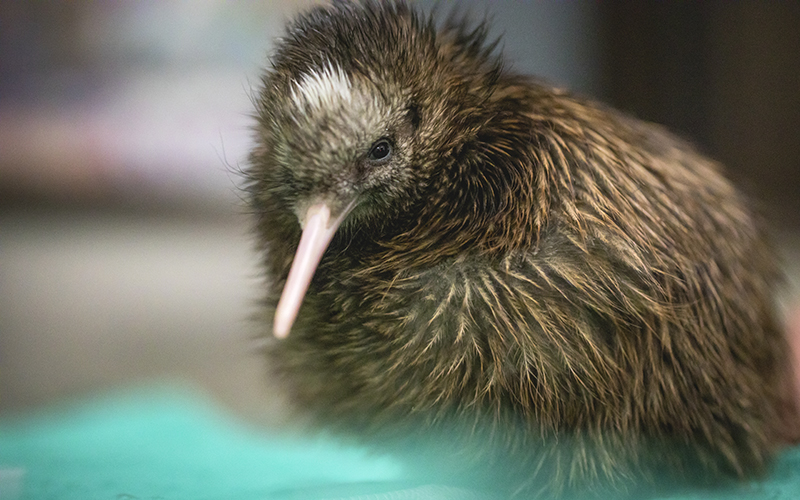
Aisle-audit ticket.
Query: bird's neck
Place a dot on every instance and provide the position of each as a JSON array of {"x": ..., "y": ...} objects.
[{"x": 489, "y": 210}]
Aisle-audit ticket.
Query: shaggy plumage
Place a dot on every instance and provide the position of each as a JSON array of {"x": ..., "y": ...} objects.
[{"x": 523, "y": 261}]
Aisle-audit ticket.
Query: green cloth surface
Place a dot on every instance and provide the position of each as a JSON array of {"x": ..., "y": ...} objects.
[{"x": 165, "y": 444}]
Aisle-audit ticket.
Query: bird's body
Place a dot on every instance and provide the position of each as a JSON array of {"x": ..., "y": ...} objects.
[{"x": 505, "y": 254}]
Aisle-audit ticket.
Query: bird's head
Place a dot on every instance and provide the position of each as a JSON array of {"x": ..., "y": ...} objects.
[{"x": 361, "y": 107}]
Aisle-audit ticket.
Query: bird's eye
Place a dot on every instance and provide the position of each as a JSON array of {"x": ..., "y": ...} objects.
[{"x": 380, "y": 151}]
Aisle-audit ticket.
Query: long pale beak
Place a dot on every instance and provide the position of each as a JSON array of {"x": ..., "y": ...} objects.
[{"x": 318, "y": 230}]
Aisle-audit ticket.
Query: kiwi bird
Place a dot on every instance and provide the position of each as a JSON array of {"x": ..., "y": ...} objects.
[{"x": 447, "y": 240}]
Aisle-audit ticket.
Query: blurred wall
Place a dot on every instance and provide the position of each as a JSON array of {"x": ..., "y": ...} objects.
[
  {"x": 143, "y": 103},
  {"x": 725, "y": 75}
]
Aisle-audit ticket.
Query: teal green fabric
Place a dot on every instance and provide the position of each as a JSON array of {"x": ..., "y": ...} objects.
[
  {"x": 165, "y": 444},
  {"x": 168, "y": 445}
]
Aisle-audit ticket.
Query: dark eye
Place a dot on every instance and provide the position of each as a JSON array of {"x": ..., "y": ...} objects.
[{"x": 380, "y": 151}]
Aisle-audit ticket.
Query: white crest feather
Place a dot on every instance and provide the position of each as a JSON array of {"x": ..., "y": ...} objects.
[{"x": 327, "y": 87}]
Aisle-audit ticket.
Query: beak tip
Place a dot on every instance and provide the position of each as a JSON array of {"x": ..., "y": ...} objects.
[{"x": 281, "y": 327}]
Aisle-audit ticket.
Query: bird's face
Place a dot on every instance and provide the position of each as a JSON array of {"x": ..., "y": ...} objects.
[
  {"x": 342, "y": 153},
  {"x": 343, "y": 142}
]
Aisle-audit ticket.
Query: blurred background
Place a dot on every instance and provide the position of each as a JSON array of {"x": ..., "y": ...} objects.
[{"x": 124, "y": 249}]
